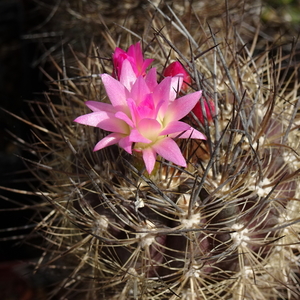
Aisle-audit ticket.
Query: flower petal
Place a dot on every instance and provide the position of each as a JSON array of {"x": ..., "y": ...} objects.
[
  {"x": 126, "y": 144},
  {"x": 176, "y": 84},
  {"x": 166, "y": 91},
  {"x": 210, "y": 110},
  {"x": 115, "y": 90},
  {"x": 181, "y": 107},
  {"x": 175, "y": 127},
  {"x": 151, "y": 79},
  {"x": 139, "y": 90},
  {"x": 146, "y": 109},
  {"x": 149, "y": 129},
  {"x": 169, "y": 150},
  {"x": 127, "y": 76},
  {"x": 190, "y": 133},
  {"x": 100, "y": 106},
  {"x": 149, "y": 157},
  {"x": 104, "y": 120},
  {"x": 118, "y": 57},
  {"x": 133, "y": 111},
  {"x": 162, "y": 91},
  {"x": 109, "y": 140},
  {"x": 176, "y": 68},
  {"x": 135, "y": 51},
  {"x": 122, "y": 116},
  {"x": 136, "y": 137},
  {"x": 147, "y": 62}
]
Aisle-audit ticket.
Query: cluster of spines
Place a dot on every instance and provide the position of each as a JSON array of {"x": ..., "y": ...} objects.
[{"x": 224, "y": 228}]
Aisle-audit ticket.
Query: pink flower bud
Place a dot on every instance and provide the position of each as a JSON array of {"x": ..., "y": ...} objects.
[
  {"x": 209, "y": 109},
  {"x": 176, "y": 68},
  {"x": 135, "y": 56}
]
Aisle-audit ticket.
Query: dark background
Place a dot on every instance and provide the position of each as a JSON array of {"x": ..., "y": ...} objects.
[{"x": 19, "y": 81}]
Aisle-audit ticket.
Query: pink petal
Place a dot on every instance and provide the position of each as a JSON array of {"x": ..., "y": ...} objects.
[
  {"x": 190, "y": 133},
  {"x": 163, "y": 90},
  {"x": 115, "y": 90},
  {"x": 103, "y": 120},
  {"x": 100, "y": 106},
  {"x": 146, "y": 109},
  {"x": 118, "y": 57},
  {"x": 149, "y": 157},
  {"x": 138, "y": 63},
  {"x": 127, "y": 76},
  {"x": 162, "y": 94},
  {"x": 181, "y": 107},
  {"x": 176, "y": 68},
  {"x": 176, "y": 86},
  {"x": 126, "y": 144},
  {"x": 175, "y": 127},
  {"x": 133, "y": 111},
  {"x": 109, "y": 140},
  {"x": 166, "y": 91},
  {"x": 118, "y": 52},
  {"x": 139, "y": 90},
  {"x": 135, "y": 51},
  {"x": 169, "y": 150},
  {"x": 122, "y": 116},
  {"x": 149, "y": 128},
  {"x": 136, "y": 137},
  {"x": 210, "y": 110},
  {"x": 151, "y": 79},
  {"x": 147, "y": 62}
]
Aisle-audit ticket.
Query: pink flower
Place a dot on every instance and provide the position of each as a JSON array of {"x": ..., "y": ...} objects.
[
  {"x": 209, "y": 109},
  {"x": 143, "y": 115},
  {"x": 176, "y": 68},
  {"x": 135, "y": 57}
]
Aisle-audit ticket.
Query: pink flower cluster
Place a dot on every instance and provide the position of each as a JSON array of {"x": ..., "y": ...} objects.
[{"x": 144, "y": 115}]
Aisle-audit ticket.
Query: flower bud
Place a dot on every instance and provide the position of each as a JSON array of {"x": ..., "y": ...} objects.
[
  {"x": 176, "y": 68},
  {"x": 209, "y": 109}
]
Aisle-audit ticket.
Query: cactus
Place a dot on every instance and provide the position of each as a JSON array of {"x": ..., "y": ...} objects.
[{"x": 224, "y": 227}]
